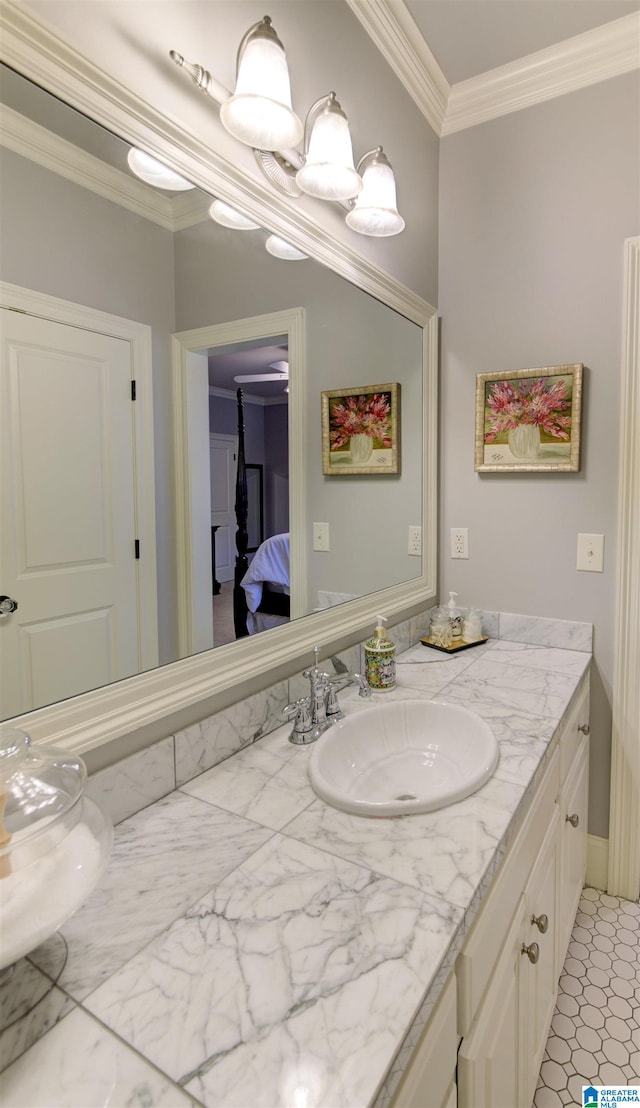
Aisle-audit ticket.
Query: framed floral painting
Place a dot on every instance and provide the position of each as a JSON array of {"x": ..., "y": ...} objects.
[
  {"x": 361, "y": 430},
  {"x": 529, "y": 420}
]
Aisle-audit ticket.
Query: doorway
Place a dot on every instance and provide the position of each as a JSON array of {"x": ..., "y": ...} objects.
[{"x": 191, "y": 393}]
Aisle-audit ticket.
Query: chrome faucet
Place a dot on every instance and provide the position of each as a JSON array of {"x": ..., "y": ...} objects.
[{"x": 318, "y": 711}]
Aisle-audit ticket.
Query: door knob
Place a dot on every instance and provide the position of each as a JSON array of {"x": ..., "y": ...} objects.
[
  {"x": 7, "y": 605},
  {"x": 532, "y": 952},
  {"x": 584, "y": 727},
  {"x": 574, "y": 820}
]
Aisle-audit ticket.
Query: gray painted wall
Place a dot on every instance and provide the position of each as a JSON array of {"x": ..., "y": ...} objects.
[{"x": 534, "y": 209}]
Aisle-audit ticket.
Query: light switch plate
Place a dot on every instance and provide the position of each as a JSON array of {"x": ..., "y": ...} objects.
[
  {"x": 320, "y": 536},
  {"x": 591, "y": 553}
]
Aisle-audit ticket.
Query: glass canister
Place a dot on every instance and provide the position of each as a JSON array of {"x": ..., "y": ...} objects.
[
  {"x": 472, "y": 626},
  {"x": 54, "y": 842},
  {"x": 440, "y": 630}
]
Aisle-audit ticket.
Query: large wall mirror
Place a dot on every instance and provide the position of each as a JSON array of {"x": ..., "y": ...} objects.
[{"x": 198, "y": 305}]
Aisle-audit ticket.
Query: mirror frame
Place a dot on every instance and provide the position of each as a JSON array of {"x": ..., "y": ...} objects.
[{"x": 119, "y": 719}]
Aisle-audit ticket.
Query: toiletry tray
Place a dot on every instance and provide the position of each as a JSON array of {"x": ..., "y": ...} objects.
[{"x": 456, "y": 645}]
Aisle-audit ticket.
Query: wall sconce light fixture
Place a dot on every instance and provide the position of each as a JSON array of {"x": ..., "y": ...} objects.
[
  {"x": 230, "y": 217},
  {"x": 259, "y": 113},
  {"x": 153, "y": 172}
]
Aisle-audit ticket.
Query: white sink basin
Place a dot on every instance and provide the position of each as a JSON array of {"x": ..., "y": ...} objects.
[{"x": 402, "y": 757}]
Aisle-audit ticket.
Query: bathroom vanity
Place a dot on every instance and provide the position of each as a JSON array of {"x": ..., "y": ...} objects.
[
  {"x": 252, "y": 945},
  {"x": 495, "y": 1011}
]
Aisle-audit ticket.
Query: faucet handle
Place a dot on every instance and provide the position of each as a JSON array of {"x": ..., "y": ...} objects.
[
  {"x": 302, "y": 726},
  {"x": 333, "y": 710}
]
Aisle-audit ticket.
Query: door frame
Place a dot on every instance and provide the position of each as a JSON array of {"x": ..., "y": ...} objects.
[
  {"x": 290, "y": 322},
  {"x": 624, "y": 819},
  {"x": 232, "y": 442},
  {"x": 138, "y": 335}
]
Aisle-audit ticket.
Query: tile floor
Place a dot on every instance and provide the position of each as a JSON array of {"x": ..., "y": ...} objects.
[{"x": 595, "y": 1032}]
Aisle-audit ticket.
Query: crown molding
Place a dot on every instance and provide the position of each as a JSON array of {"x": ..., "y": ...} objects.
[
  {"x": 584, "y": 60},
  {"x": 576, "y": 63},
  {"x": 32, "y": 141},
  {"x": 391, "y": 27},
  {"x": 247, "y": 397}
]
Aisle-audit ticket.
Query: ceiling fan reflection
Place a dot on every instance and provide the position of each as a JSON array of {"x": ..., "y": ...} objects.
[{"x": 282, "y": 375}]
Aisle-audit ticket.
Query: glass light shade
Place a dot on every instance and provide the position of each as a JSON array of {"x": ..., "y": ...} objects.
[
  {"x": 229, "y": 217},
  {"x": 375, "y": 212},
  {"x": 328, "y": 172},
  {"x": 154, "y": 173},
  {"x": 280, "y": 248},
  {"x": 259, "y": 113}
]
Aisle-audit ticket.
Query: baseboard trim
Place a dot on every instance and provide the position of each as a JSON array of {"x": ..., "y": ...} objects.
[{"x": 597, "y": 862}]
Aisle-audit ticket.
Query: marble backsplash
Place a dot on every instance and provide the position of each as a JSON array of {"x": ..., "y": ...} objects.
[{"x": 135, "y": 782}]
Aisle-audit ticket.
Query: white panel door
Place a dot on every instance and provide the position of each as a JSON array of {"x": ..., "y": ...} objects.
[
  {"x": 67, "y": 512},
  {"x": 223, "y": 449}
]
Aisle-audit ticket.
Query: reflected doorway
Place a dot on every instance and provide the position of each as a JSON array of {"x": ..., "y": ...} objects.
[
  {"x": 260, "y": 369},
  {"x": 196, "y": 401}
]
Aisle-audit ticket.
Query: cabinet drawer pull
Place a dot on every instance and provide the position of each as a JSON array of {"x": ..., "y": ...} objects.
[
  {"x": 584, "y": 727},
  {"x": 574, "y": 820},
  {"x": 532, "y": 952},
  {"x": 541, "y": 922}
]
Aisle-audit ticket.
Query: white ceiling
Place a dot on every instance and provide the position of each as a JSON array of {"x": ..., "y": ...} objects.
[{"x": 469, "y": 37}]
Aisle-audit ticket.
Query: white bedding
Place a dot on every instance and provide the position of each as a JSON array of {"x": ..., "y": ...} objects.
[{"x": 271, "y": 564}]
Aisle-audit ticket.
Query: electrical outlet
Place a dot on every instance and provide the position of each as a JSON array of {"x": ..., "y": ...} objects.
[
  {"x": 320, "y": 536},
  {"x": 415, "y": 541},
  {"x": 459, "y": 542},
  {"x": 591, "y": 553}
]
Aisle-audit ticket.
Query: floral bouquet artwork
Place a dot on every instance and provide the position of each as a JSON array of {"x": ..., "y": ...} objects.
[
  {"x": 360, "y": 429},
  {"x": 529, "y": 420}
]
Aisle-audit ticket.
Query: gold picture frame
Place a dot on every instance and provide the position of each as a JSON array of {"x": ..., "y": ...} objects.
[
  {"x": 528, "y": 420},
  {"x": 361, "y": 430}
]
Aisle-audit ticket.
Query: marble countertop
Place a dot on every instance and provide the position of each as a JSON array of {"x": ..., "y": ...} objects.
[{"x": 251, "y": 946}]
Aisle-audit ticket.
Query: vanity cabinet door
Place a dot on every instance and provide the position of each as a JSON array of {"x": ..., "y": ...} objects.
[
  {"x": 540, "y": 969},
  {"x": 573, "y": 851},
  {"x": 489, "y": 1059},
  {"x": 430, "y": 1075}
]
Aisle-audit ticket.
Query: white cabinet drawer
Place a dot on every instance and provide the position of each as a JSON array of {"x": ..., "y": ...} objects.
[{"x": 475, "y": 963}]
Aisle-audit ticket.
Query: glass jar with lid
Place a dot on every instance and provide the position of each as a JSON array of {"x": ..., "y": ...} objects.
[
  {"x": 441, "y": 631},
  {"x": 55, "y": 842}
]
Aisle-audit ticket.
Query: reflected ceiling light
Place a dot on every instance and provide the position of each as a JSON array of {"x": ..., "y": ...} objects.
[
  {"x": 155, "y": 173},
  {"x": 280, "y": 248},
  {"x": 259, "y": 113},
  {"x": 230, "y": 217},
  {"x": 375, "y": 211},
  {"x": 282, "y": 367},
  {"x": 328, "y": 171}
]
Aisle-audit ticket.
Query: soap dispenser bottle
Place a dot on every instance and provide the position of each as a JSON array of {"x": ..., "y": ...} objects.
[
  {"x": 455, "y": 616},
  {"x": 380, "y": 659}
]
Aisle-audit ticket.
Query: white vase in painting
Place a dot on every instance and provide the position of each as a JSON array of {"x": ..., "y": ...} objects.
[
  {"x": 361, "y": 449},
  {"x": 524, "y": 440}
]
